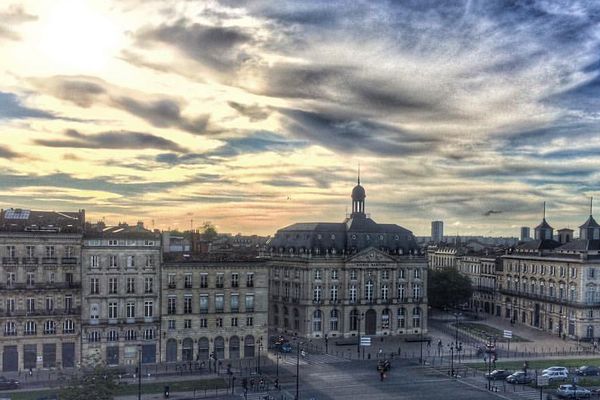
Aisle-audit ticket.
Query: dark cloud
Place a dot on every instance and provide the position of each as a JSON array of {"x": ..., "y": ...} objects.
[
  {"x": 112, "y": 140},
  {"x": 6, "y": 152},
  {"x": 253, "y": 112},
  {"x": 12, "y": 108},
  {"x": 163, "y": 113},
  {"x": 217, "y": 47},
  {"x": 490, "y": 212},
  {"x": 257, "y": 142}
]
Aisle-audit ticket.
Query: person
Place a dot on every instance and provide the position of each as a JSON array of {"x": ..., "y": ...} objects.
[
  {"x": 303, "y": 353},
  {"x": 381, "y": 375}
]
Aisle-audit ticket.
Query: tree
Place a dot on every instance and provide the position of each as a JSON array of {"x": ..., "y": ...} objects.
[
  {"x": 209, "y": 231},
  {"x": 448, "y": 288},
  {"x": 91, "y": 383}
]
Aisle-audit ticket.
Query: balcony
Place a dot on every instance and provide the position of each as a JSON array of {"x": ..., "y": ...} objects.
[
  {"x": 235, "y": 309},
  {"x": 10, "y": 261},
  {"x": 49, "y": 260},
  {"x": 68, "y": 260},
  {"x": 549, "y": 299},
  {"x": 40, "y": 286},
  {"x": 41, "y": 313},
  {"x": 30, "y": 260},
  {"x": 249, "y": 309}
]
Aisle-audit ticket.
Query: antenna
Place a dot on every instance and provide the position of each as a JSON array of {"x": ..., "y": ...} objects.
[
  {"x": 544, "y": 217},
  {"x": 591, "y": 204}
]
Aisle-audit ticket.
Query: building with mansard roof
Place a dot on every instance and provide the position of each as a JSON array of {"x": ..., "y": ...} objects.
[{"x": 352, "y": 278}]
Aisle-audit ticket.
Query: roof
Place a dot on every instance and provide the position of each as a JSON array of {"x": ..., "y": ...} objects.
[
  {"x": 315, "y": 226},
  {"x": 590, "y": 223},
  {"x": 546, "y": 244},
  {"x": 22, "y": 220},
  {"x": 580, "y": 245},
  {"x": 544, "y": 224},
  {"x": 121, "y": 231},
  {"x": 358, "y": 192}
]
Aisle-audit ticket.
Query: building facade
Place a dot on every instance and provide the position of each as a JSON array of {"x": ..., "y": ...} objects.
[
  {"x": 121, "y": 294},
  {"x": 40, "y": 289},
  {"x": 347, "y": 279},
  {"x": 213, "y": 310},
  {"x": 437, "y": 231},
  {"x": 525, "y": 233}
]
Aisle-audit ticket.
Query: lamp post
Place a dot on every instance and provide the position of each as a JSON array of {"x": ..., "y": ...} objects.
[
  {"x": 326, "y": 345},
  {"x": 258, "y": 360},
  {"x": 421, "y": 341},
  {"x": 277, "y": 373},
  {"x": 297, "y": 369},
  {"x": 452, "y": 359},
  {"x": 139, "y": 372},
  {"x": 457, "y": 316}
]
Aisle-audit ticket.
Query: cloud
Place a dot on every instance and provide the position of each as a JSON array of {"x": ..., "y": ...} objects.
[
  {"x": 112, "y": 140},
  {"x": 6, "y": 152},
  {"x": 490, "y": 212},
  {"x": 253, "y": 112},
  {"x": 12, "y": 108},
  {"x": 13, "y": 16}
]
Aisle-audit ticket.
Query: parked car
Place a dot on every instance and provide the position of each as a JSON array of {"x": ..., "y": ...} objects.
[
  {"x": 552, "y": 369},
  {"x": 519, "y": 377},
  {"x": 556, "y": 375},
  {"x": 7, "y": 384},
  {"x": 498, "y": 375},
  {"x": 572, "y": 392},
  {"x": 588, "y": 370},
  {"x": 286, "y": 348}
]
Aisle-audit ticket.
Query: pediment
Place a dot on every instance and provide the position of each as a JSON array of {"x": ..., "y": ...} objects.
[{"x": 371, "y": 255}]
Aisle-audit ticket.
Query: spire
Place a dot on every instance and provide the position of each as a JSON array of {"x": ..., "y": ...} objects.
[
  {"x": 591, "y": 204},
  {"x": 359, "y": 173},
  {"x": 544, "y": 215}
]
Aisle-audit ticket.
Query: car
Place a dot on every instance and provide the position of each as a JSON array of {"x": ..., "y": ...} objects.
[
  {"x": 519, "y": 377},
  {"x": 555, "y": 375},
  {"x": 552, "y": 369},
  {"x": 573, "y": 392},
  {"x": 8, "y": 384},
  {"x": 498, "y": 375},
  {"x": 285, "y": 348},
  {"x": 588, "y": 370}
]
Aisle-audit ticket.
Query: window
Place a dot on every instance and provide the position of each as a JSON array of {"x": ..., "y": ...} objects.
[
  {"x": 401, "y": 273},
  {"x": 49, "y": 328},
  {"x": 249, "y": 302},
  {"x": 10, "y": 328},
  {"x": 203, "y": 323},
  {"x": 401, "y": 317},
  {"x": 149, "y": 261},
  {"x": 11, "y": 252},
  {"x": 11, "y": 278},
  {"x": 187, "y": 281},
  {"x": 385, "y": 319},
  {"x": 334, "y": 293},
  {"x": 317, "y": 326},
  {"x": 334, "y": 274},
  {"x": 148, "y": 334},
  {"x": 317, "y": 274},
  {"x": 171, "y": 281},
  {"x": 148, "y": 308},
  {"x": 130, "y": 334},
  {"x": 30, "y": 250},
  {"x": 369, "y": 290},
  {"x": 591, "y": 273},
  {"x": 10, "y": 305},
  {"x": 68, "y": 302},
  {"x": 353, "y": 275},
  {"x": 250, "y": 279},
  {"x": 148, "y": 284},
  {"x": 113, "y": 336},
  {"x": 30, "y": 328},
  {"x": 112, "y": 310},
  {"x": 113, "y": 242},
  {"x": 130, "y": 261},
  {"x": 94, "y": 286},
  {"x": 333, "y": 320},
  {"x": 234, "y": 321},
  {"x": 219, "y": 281},
  {"x": 416, "y": 289},
  {"x": 385, "y": 274},
  {"x": 113, "y": 261},
  {"x": 384, "y": 292},
  {"x": 249, "y": 321},
  {"x": 30, "y": 305},
  {"x": 50, "y": 251},
  {"x": 203, "y": 303},
  {"x": 317, "y": 294},
  {"x": 172, "y": 305},
  {"x": 234, "y": 280},
  {"x": 417, "y": 273},
  {"x": 416, "y": 316},
  {"x": 187, "y": 305},
  {"x": 130, "y": 309},
  {"x": 235, "y": 302},
  {"x": 130, "y": 285},
  {"x": 187, "y": 324},
  {"x": 112, "y": 285},
  {"x": 352, "y": 293},
  {"x": 171, "y": 324},
  {"x": 401, "y": 291},
  {"x": 30, "y": 278},
  {"x": 68, "y": 326},
  {"x": 49, "y": 303},
  {"x": 94, "y": 261},
  {"x": 219, "y": 322},
  {"x": 353, "y": 320},
  {"x": 148, "y": 242},
  {"x": 94, "y": 336},
  {"x": 203, "y": 280},
  {"x": 219, "y": 303}
]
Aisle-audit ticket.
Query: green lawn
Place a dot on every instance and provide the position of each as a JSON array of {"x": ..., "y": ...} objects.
[
  {"x": 132, "y": 388},
  {"x": 483, "y": 331}
]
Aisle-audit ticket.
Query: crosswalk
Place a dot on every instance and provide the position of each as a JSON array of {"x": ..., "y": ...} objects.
[{"x": 310, "y": 359}]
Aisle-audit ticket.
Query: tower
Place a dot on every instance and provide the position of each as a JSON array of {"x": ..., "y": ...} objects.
[
  {"x": 358, "y": 199},
  {"x": 544, "y": 231}
]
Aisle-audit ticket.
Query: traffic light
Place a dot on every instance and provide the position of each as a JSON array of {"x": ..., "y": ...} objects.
[{"x": 166, "y": 393}]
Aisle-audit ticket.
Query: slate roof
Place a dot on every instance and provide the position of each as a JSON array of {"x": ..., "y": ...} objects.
[
  {"x": 21, "y": 220},
  {"x": 580, "y": 245},
  {"x": 546, "y": 244},
  {"x": 590, "y": 223},
  {"x": 544, "y": 224}
]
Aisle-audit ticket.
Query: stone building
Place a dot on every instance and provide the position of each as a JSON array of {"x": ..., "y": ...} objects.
[
  {"x": 40, "y": 289},
  {"x": 213, "y": 310},
  {"x": 121, "y": 294},
  {"x": 481, "y": 268},
  {"x": 357, "y": 277},
  {"x": 554, "y": 285}
]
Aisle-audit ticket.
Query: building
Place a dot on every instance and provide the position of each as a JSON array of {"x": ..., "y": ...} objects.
[
  {"x": 525, "y": 233},
  {"x": 345, "y": 279},
  {"x": 121, "y": 294},
  {"x": 40, "y": 289},
  {"x": 437, "y": 231},
  {"x": 554, "y": 285},
  {"x": 481, "y": 268},
  {"x": 213, "y": 310}
]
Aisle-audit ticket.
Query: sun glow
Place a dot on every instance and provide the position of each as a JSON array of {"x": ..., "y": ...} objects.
[{"x": 77, "y": 36}]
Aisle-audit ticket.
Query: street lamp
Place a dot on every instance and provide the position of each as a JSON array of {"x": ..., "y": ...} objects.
[
  {"x": 326, "y": 345},
  {"x": 258, "y": 360},
  {"x": 297, "y": 369},
  {"x": 139, "y": 372},
  {"x": 452, "y": 359}
]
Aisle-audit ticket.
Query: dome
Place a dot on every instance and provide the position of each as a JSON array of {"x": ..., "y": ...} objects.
[{"x": 358, "y": 193}]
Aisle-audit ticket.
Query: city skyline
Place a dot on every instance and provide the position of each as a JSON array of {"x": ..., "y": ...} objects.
[{"x": 255, "y": 115}]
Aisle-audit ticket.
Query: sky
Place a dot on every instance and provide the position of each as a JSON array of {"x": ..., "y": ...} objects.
[{"x": 256, "y": 114}]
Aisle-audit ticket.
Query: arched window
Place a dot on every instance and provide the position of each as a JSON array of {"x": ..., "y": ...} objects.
[
  {"x": 30, "y": 328},
  {"x": 49, "y": 328},
  {"x": 203, "y": 349},
  {"x": 234, "y": 348},
  {"x": 416, "y": 317},
  {"x": 317, "y": 326},
  {"x": 10, "y": 328},
  {"x": 385, "y": 319},
  {"x": 333, "y": 320},
  {"x": 354, "y": 320},
  {"x": 187, "y": 350},
  {"x": 171, "y": 350},
  {"x": 219, "y": 348},
  {"x": 249, "y": 346},
  {"x": 401, "y": 317}
]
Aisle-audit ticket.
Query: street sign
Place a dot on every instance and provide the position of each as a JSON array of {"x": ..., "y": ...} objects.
[
  {"x": 508, "y": 334},
  {"x": 365, "y": 341},
  {"x": 542, "y": 380}
]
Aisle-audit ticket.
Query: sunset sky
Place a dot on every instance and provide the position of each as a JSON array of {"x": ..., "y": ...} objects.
[{"x": 256, "y": 114}]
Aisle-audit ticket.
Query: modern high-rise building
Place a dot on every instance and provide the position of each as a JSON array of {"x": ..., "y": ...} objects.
[
  {"x": 437, "y": 231},
  {"x": 525, "y": 233}
]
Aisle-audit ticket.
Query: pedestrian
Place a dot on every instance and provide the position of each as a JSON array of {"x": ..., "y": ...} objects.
[{"x": 381, "y": 375}]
